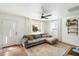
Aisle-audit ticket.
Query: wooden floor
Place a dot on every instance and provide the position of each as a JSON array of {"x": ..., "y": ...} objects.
[
  {"x": 15, "y": 50},
  {"x": 62, "y": 44},
  {"x": 43, "y": 49},
  {"x": 18, "y": 50}
]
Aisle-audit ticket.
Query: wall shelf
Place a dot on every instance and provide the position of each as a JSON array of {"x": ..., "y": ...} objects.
[{"x": 72, "y": 26}]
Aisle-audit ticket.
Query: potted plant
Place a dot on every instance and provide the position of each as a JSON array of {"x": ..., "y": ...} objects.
[{"x": 68, "y": 23}]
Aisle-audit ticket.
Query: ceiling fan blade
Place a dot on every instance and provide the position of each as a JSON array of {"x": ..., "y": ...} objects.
[
  {"x": 46, "y": 18},
  {"x": 43, "y": 17},
  {"x": 48, "y": 15}
]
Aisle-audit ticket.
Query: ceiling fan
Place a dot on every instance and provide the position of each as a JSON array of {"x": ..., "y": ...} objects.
[
  {"x": 45, "y": 12},
  {"x": 45, "y": 16}
]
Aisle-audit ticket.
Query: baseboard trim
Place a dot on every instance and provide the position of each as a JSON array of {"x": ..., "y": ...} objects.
[
  {"x": 11, "y": 46},
  {"x": 69, "y": 44}
]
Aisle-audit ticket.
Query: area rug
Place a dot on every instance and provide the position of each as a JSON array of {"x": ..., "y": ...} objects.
[{"x": 46, "y": 50}]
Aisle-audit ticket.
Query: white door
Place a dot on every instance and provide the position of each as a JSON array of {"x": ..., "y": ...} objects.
[
  {"x": 9, "y": 32},
  {"x": 20, "y": 28},
  {"x": 54, "y": 28}
]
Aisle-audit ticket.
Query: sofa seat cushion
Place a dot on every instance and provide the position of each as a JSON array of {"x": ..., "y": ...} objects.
[
  {"x": 51, "y": 40},
  {"x": 35, "y": 40}
]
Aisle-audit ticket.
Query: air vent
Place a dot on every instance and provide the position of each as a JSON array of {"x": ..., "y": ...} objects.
[{"x": 74, "y": 9}]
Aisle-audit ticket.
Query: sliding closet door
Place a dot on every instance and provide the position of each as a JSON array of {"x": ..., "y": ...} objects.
[
  {"x": 1, "y": 40},
  {"x": 12, "y": 28},
  {"x": 9, "y": 32},
  {"x": 20, "y": 28}
]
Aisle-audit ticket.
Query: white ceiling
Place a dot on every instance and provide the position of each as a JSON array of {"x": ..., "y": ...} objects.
[{"x": 33, "y": 10}]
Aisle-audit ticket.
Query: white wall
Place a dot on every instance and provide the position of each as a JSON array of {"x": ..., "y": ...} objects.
[
  {"x": 13, "y": 27},
  {"x": 29, "y": 23},
  {"x": 31, "y": 10},
  {"x": 53, "y": 28},
  {"x": 61, "y": 32},
  {"x": 69, "y": 38}
]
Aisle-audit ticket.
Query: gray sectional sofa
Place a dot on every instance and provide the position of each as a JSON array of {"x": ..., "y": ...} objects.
[{"x": 33, "y": 40}]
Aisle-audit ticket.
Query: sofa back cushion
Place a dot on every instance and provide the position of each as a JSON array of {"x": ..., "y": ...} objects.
[
  {"x": 37, "y": 36},
  {"x": 44, "y": 35}
]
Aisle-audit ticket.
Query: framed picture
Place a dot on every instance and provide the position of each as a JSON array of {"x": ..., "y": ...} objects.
[{"x": 35, "y": 28}]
